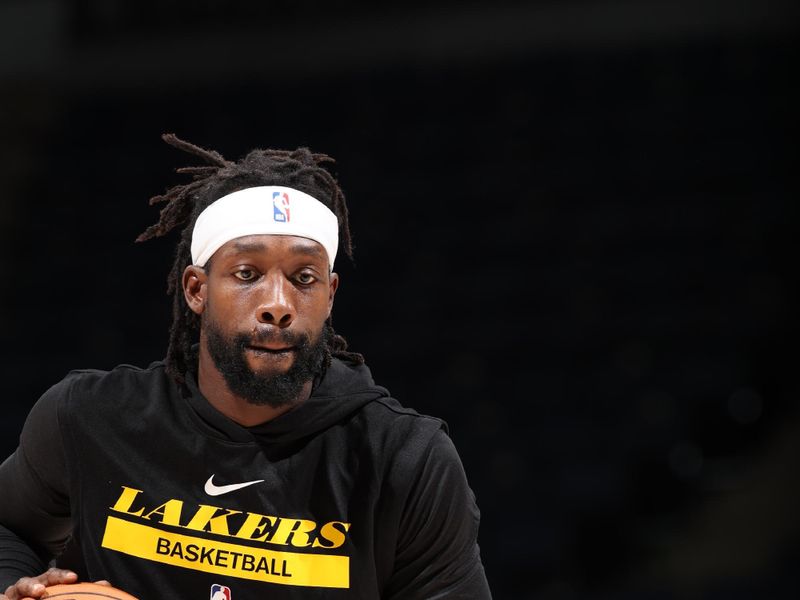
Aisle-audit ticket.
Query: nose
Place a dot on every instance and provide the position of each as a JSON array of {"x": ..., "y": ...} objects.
[{"x": 276, "y": 307}]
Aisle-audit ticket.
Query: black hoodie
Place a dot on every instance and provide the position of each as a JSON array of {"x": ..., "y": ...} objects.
[{"x": 347, "y": 495}]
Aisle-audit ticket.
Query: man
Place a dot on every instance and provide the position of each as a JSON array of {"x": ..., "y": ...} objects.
[{"x": 259, "y": 459}]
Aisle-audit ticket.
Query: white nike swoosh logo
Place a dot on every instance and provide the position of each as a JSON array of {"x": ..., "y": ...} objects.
[{"x": 218, "y": 490}]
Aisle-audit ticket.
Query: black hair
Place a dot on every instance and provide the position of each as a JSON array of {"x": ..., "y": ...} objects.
[{"x": 300, "y": 169}]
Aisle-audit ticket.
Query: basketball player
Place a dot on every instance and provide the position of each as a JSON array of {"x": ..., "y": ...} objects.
[{"x": 259, "y": 459}]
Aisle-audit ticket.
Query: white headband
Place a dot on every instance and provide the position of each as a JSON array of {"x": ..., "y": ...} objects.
[{"x": 269, "y": 209}]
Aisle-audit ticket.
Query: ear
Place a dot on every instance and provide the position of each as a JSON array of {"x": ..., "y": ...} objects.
[
  {"x": 334, "y": 285},
  {"x": 194, "y": 288}
]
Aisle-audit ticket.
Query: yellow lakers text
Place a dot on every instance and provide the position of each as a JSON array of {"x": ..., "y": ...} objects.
[{"x": 141, "y": 534}]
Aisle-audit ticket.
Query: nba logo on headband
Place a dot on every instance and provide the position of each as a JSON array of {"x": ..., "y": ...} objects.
[{"x": 280, "y": 207}]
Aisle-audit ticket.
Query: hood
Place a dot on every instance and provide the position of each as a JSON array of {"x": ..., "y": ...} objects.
[{"x": 344, "y": 388}]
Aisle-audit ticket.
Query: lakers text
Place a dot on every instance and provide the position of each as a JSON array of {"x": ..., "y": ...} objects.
[{"x": 140, "y": 535}]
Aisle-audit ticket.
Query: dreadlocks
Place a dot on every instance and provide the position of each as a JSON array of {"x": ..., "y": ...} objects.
[{"x": 300, "y": 169}]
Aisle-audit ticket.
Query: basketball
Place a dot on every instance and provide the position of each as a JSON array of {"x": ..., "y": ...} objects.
[{"x": 86, "y": 591}]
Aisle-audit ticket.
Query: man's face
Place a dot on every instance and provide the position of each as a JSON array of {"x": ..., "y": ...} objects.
[{"x": 265, "y": 300}]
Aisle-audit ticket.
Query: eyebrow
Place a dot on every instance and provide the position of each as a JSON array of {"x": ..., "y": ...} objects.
[
  {"x": 249, "y": 247},
  {"x": 297, "y": 248}
]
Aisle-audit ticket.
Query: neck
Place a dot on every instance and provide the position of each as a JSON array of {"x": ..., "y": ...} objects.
[{"x": 212, "y": 385}]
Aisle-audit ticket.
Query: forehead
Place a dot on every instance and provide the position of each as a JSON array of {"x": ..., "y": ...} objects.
[{"x": 273, "y": 247}]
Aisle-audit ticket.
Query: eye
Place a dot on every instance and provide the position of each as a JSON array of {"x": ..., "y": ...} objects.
[
  {"x": 245, "y": 274},
  {"x": 305, "y": 278}
]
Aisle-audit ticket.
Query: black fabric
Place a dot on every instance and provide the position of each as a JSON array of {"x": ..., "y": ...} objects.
[
  {"x": 348, "y": 495},
  {"x": 34, "y": 505},
  {"x": 17, "y": 559}
]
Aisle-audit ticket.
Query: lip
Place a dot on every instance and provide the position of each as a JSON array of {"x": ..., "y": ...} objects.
[{"x": 271, "y": 348}]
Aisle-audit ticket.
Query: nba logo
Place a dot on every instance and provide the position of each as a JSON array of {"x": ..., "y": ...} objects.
[
  {"x": 280, "y": 207},
  {"x": 220, "y": 592}
]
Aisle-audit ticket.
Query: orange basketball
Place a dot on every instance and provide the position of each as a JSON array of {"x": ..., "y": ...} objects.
[{"x": 85, "y": 591}]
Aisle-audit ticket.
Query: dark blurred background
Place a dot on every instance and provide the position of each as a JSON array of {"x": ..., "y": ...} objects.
[{"x": 574, "y": 226}]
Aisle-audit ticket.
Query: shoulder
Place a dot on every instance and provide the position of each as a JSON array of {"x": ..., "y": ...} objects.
[
  {"x": 415, "y": 427},
  {"x": 388, "y": 412},
  {"x": 349, "y": 389},
  {"x": 121, "y": 378},
  {"x": 101, "y": 388},
  {"x": 403, "y": 438}
]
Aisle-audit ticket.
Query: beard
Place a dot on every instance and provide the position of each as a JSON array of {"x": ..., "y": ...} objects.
[{"x": 267, "y": 389}]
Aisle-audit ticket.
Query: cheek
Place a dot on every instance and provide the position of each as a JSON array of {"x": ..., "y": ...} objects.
[
  {"x": 313, "y": 310},
  {"x": 223, "y": 308},
  {"x": 323, "y": 303}
]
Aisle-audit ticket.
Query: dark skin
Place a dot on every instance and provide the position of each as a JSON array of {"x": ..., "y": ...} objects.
[
  {"x": 257, "y": 282},
  {"x": 260, "y": 282}
]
